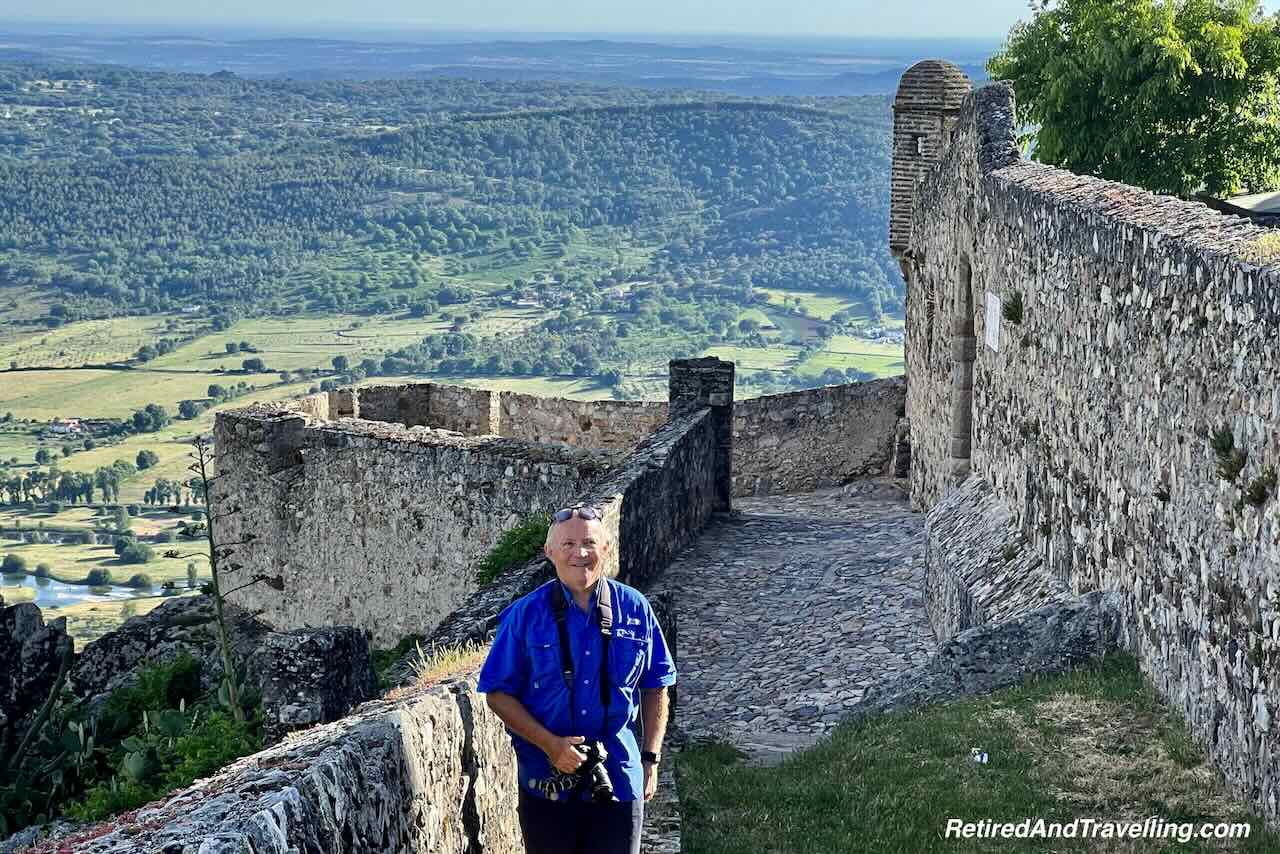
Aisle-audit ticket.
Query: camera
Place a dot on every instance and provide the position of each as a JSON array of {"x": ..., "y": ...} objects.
[{"x": 592, "y": 773}]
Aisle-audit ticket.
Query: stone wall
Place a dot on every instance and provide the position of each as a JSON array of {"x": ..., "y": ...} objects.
[
  {"x": 806, "y": 440},
  {"x": 372, "y": 524},
  {"x": 617, "y": 424},
  {"x": 1077, "y": 344},
  {"x": 433, "y": 771},
  {"x": 609, "y": 424}
]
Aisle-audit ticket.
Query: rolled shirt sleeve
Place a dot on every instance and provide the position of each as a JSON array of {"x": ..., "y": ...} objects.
[
  {"x": 660, "y": 669},
  {"x": 506, "y": 668}
]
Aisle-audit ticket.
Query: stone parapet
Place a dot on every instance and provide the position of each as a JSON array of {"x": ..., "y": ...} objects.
[
  {"x": 978, "y": 568},
  {"x": 433, "y": 771},
  {"x": 806, "y": 440},
  {"x": 358, "y": 518}
]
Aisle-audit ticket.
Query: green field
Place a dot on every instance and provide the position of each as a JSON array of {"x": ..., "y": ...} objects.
[
  {"x": 89, "y": 341},
  {"x": 71, "y": 563},
  {"x": 819, "y": 305},
  {"x": 88, "y": 621},
  {"x": 756, "y": 358},
  {"x": 843, "y": 352}
]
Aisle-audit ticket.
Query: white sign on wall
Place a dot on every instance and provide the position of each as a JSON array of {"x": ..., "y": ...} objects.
[{"x": 993, "y": 321}]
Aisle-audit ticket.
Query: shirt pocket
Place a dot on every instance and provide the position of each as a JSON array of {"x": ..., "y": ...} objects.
[
  {"x": 545, "y": 671},
  {"x": 628, "y": 660}
]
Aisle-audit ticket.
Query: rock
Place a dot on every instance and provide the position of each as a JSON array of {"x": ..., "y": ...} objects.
[
  {"x": 180, "y": 624},
  {"x": 312, "y": 676},
  {"x": 31, "y": 653}
]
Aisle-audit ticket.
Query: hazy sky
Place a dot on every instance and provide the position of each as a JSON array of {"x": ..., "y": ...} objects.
[
  {"x": 928, "y": 18},
  {"x": 955, "y": 18}
]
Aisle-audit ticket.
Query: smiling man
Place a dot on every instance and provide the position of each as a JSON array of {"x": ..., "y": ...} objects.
[{"x": 572, "y": 665}]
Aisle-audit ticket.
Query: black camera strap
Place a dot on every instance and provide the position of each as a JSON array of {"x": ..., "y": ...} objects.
[{"x": 604, "y": 606}]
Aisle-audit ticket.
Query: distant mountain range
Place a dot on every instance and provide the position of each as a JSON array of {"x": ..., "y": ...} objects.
[{"x": 739, "y": 67}]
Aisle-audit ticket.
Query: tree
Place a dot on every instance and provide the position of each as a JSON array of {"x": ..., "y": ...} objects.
[
  {"x": 43, "y": 457},
  {"x": 188, "y": 409},
  {"x": 151, "y": 418},
  {"x": 341, "y": 364},
  {"x": 217, "y": 392},
  {"x": 13, "y": 564},
  {"x": 253, "y": 365},
  {"x": 1178, "y": 96},
  {"x": 146, "y": 459},
  {"x": 136, "y": 553}
]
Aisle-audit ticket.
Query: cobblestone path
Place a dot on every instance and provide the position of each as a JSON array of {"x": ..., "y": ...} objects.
[{"x": 788, "y": 609}]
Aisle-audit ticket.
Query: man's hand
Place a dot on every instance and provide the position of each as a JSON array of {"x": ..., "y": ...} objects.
[
  {"x": 650, "y": 781},
  {"x": 564, "y": 755}
]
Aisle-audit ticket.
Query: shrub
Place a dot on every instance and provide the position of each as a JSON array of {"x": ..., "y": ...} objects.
[
  {"x": 163, "y": 686},
  {"x": 98, "y": 577},
  {"x": 137, "y": 553},
  {"x": 42, "y": 570},
  {"x": 120, "y": 544},
  {"x": 515, "y": 546},
  {"x": 13, "y": 564},
  {"x": 140, "y": 580},
  {"x": 134, "y": 510}
]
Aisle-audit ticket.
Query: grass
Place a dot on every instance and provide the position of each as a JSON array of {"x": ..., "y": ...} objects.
[
  {"x": 1263, "y": 250},
  {"x": 430, "y": 667},
  {"x": 70, "y": 563},
  {"x": 86, "y": 342},
  {"x": 1096, "y": 743},
  {"x": 842, "y": 352},
  {"x": 755, "y": 358},
  {"x": 820, "y": 305},
  {"x": 14, "y": 595},
  {"x": 88, "y": 621}
]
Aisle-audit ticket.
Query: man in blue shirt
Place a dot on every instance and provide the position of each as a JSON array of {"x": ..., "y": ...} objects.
[{"x": 551, "y": 709}]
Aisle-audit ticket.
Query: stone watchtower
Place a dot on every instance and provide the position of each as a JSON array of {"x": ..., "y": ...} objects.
[{"x": 924, "y": 113}]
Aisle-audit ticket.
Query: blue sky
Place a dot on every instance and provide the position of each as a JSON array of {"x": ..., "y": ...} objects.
[{"x": 928, "y": 18}]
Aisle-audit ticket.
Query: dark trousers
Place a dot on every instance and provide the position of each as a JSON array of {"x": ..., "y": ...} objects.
[{"x": 580, "y": 827}]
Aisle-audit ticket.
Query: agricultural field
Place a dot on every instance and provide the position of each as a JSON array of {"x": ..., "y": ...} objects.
[
  {"x": 291, "y": 344},
  {"x": 843, "y": 352},
  {"x": 819, "y": 305},
  {"x": 756, "y": 358},
  {"x": 90, "y": 341}
]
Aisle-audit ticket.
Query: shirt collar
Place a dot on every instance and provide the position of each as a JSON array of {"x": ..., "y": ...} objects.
[{"x": 568, "y": 595}]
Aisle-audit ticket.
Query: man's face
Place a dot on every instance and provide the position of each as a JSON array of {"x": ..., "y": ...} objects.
[{"x": 578, "y": 547}]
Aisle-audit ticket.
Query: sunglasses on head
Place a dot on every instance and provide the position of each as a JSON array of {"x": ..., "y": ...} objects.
[{"x": 583, "y": 513}]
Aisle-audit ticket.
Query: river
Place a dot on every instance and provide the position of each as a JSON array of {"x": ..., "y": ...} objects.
[{"x": 51, "y": 593}]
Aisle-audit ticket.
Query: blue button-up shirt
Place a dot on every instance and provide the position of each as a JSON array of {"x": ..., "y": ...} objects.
[{"x": 524, "y": 662}]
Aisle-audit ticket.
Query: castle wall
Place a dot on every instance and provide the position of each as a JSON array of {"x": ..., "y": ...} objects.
[
  {"x": 375, "y": 525},
  {"x": 619, "y": 424},
  {"x": 1144, "y": 330},
  {"x": 806, "y": 440}
]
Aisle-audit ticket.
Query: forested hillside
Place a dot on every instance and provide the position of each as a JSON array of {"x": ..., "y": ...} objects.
[{"x": 124, "y": 191}]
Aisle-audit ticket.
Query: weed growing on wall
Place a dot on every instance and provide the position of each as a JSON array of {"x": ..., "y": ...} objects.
[
  {"x": 1262, "y": 487},
  {"x": 1231, "y": 460},
  {"x": 1264, "y": 250},
  {"x": 1012, "y": 308},
  {"x": 514, "y": 547}
]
